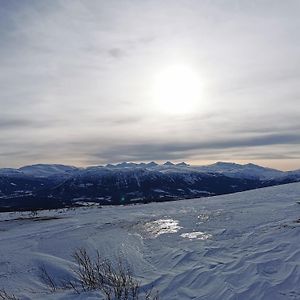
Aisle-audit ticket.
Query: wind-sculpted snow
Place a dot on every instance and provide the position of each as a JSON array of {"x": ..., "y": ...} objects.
[{"x": 240, "y": 246}]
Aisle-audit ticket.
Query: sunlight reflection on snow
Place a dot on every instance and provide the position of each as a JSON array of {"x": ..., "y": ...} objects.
[
  {"x": 196, "y": 235},
  {"x": 203, "y": 218},
  {"x": 162, "y": 226}
]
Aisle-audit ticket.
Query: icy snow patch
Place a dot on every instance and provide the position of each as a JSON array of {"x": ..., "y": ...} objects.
[
  {"x": 196, "y": 235},
  {"x": 162, "y": 226}
]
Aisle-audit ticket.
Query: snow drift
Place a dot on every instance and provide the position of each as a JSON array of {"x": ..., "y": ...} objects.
[{"x": 239, "y": 246}]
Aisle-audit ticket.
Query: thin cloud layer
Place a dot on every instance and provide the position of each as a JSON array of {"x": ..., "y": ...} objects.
[{"x": 77, "y": 77}]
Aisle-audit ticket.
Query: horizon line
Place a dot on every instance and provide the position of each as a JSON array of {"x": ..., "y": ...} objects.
[{"x": 159, "y": 162}]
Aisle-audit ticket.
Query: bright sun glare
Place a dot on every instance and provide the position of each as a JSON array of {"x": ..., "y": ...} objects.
[{"x": 177, "y": 90}]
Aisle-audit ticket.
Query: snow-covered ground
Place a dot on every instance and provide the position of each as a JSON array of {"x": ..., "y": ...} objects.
[{"x": 239, "y": 246}]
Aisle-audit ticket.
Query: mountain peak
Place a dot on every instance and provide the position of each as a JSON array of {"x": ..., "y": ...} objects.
[
  {"x": 168, "y": 163},
  {"x": 152, "y": 164},
  {"x": 182, "y": 164}
]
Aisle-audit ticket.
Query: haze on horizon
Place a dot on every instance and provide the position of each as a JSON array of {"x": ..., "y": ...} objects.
[{"x": 95, "y": 82}]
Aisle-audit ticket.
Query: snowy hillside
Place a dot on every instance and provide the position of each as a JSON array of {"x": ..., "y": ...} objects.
[{"x": 239, "y": 246}]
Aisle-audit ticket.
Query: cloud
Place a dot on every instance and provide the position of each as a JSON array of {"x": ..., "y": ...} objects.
[
  {"x": 177, "y": 150},
  {"x": 76, "y": 80},
  {"x": 11, "y": 123},
  {"x": 116, "y": 52}
]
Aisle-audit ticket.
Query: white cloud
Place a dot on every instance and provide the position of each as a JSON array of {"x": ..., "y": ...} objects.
[{"x": 75, "y": 77}]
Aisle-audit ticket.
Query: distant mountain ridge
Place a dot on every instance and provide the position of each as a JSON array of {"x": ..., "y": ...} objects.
[
  {"x": 246, "y": 171},
  {"x": 55, "y": 185}
]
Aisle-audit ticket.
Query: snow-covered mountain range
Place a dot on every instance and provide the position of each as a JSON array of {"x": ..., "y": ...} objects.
[{"x": 47, "y": 185}]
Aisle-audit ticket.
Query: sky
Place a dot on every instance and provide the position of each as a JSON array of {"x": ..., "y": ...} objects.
[{"x": 95, "y": 81}]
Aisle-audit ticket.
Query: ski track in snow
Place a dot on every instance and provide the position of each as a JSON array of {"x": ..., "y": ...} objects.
[{"x": 239, "y": 246}]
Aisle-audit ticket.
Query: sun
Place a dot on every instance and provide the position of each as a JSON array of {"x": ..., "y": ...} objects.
[{"x": 177, "y": 90}]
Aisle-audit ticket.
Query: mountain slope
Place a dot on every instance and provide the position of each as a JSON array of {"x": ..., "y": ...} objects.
[
  {"x": 242, "y": 171},
  {"x": 46, "y": 170},
  {"x": 50, "y": 186},
  {"x": 238, "y": 246}
]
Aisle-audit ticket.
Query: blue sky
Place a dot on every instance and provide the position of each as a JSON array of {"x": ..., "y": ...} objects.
[{"x": 77, "y": 77}]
